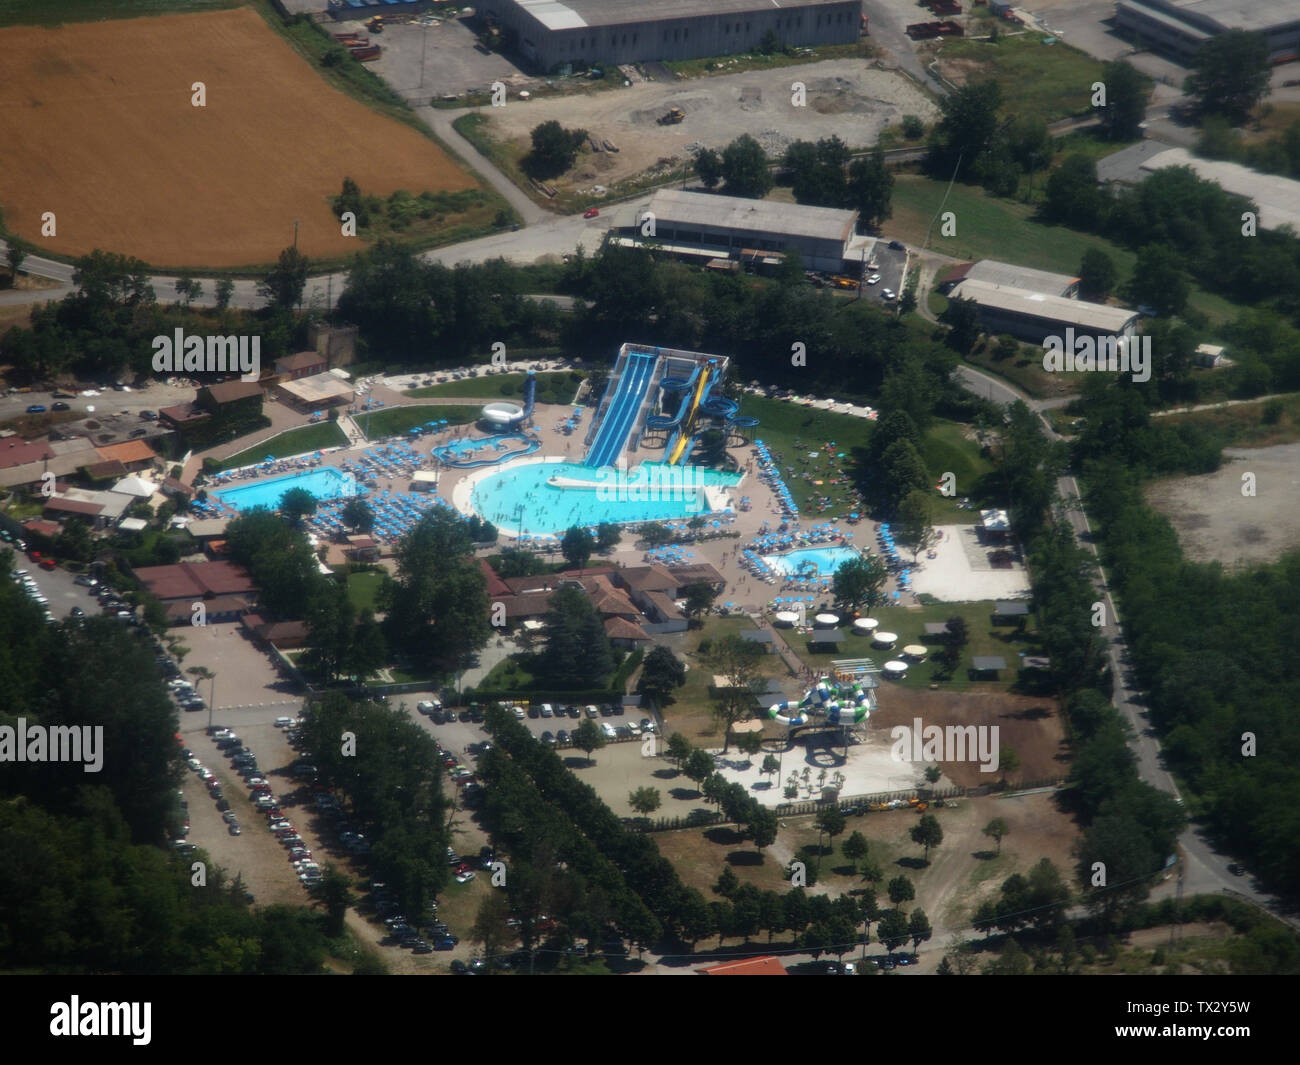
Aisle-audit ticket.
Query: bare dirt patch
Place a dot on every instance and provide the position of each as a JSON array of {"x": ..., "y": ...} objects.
[
  {"x": 97, "y": 125},
  {"x": 1217, "y": 523},
  {"x": 845, "y": 97}
]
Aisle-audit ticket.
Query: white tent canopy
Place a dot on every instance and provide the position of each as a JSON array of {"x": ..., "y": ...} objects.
[{"x": 135, "y": 486}]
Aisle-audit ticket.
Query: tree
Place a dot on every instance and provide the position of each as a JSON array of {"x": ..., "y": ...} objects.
[
  {"x": 1073, "y": 196},
  {"x": 744, "y": 168},
  {"x": 608, "y": 536},
  {"x": 1126, "y": 100},
  {"x": 859, "y": 583},
  {"x": 554, "y": 149},
  {"x": 1008, "y": 761},
  {"x": 296, "y": 504},
  {"x": 962, "y": 317},
  {"x": 997, "y": 828},
  {"x": 1097, "y": 276},
  {"x": 1158, "y": 280},
  {"x": 368, "y": 651},
  {"x": 771, "y": 766},
  {"x": 855, "y": 848},
  {"x": 699, "y": 598},
  {"x": 698, "y": 766},
  {"x": 918, "y": 927},
  {"x": 282, "y": 288},
  {"x": 727, "y": 883},
  {"x": 577, "y": 546},
  {"x": 914, "y": 523},
  {"x": 1230, "y": 74},
  {"x": 763, "y": 827},
  {"x": 695, "y": 916},
  {"x": 588, "y": 737},
  {"x": 901, "y": 890},
  {"x": 661, "y": 672},
  {"x": 738, "y": 661},
  {"x": 831, "y": 821},
  {"x": 892, "y": 930},
  {"x": 645, "y": 801},
  {"x": 708, "y": 168},
  {"x": 15, "y": 256},
  {"x": 577, "y": 653},
  {"x": 358, "y": 515},
  {"x": 749, "y": 743},
  {"x": 490, "y": 929},
  {"x": 337, "y": 897},
  {"x": 188, "y": 288},
  {"x": 679, "y": 748},
  {"x": 957, "y": 637},
  {"x": 225, "y": 290},
  {"x": 927, "y": 833},
  {"x": 913, "y": 127},
  {"x": 966, "y": 129},
  {"x": 902, "y": 470}
]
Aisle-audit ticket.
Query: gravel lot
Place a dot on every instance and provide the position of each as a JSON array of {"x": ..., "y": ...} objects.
[
  {"x": 845, "y": 98},
  {"x": 1215, "y": 522}
]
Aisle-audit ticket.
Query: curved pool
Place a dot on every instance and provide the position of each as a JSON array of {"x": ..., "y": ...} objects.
[
  {"x": 324, "y": 483},
  {"x": 824, "y": 561},
  {"x": 549, "y": 497}
]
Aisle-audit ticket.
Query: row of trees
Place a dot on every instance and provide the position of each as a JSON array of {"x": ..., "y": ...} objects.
[{"x": 823, "y": 174}]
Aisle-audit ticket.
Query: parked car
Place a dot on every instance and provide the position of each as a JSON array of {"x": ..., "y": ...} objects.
[
  {"x": 59, "y": 406},
  {"x": 591, "y": 212},
  {"x": 36, "y": 408}
]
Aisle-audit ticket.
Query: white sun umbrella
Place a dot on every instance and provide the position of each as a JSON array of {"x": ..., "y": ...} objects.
[
  {"x": 886, "y": 639},
  {"x": 895, "y": 669},
  {"x": 915, "y": 650},
  {"x": 865, "y": 624},
  {"x": 786, "y": 617},
  {"x": 826, "y": 621}
]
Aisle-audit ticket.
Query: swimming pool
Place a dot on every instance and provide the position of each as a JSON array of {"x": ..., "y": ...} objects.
[
  {"x": 826, "y": 560},
  {"x": 523, "y": 498},
  {"x": 325, "y": 483},
  {"x": 471, "y": 452}
]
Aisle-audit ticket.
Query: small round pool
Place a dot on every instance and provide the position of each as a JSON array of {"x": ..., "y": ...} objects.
[{"x": 822, "y": 561}]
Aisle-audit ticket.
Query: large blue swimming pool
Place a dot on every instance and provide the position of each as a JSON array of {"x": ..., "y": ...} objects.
[
  {"x": 325, "y": 483},
  {"x": 826, "y": 560},
  {"x": 521, "y": 499}
]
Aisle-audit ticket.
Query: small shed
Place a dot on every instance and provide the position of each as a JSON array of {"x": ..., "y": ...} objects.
[
  {"x": 762, "y": 637},
  {"x": 988, "y": 665},
  {"x": 1006, "y": 612},
  {"x": 824, "y": 640}
]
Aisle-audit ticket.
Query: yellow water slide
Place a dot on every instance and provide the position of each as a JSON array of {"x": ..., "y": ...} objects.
[{"x": 688, "y": 423}]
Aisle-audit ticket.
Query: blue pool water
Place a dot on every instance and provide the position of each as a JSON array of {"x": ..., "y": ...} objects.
[
  {"x": 826, "y": 559},
  {"x": 325, "y": 483},
  {"x": 519, "y": 499}
]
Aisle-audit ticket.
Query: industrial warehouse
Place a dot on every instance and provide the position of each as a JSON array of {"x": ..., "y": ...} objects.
[
  {"x": 550, "y": 34},
  {"x": 706, "y": 227},
  {"x": 1034, "y": 316},
  {"x": 1180, "y": 27}
]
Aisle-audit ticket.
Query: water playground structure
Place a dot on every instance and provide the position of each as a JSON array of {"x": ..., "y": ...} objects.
[
  {"x": 661, "y": 391},
  {"x": 846, "y": 702},
  {"x": 507, "y": 417}
]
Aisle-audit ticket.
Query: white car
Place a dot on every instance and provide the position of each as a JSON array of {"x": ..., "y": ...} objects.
[
  {"x": 283, "y": 722},
  {"x": 888, "y": 294},
  {"x": 633, "y": 728},
  {"x": 518, "y": 711},
  {"x": 195, "y": 764},
  {"x": 593, "y": 711},
  {"x": 465, "y": 877},
  {"x": 873, "y": 279}
]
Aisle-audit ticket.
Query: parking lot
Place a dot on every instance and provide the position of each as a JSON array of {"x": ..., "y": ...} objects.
[
  {"x": 59, "y": 587},
  {"x": 444, "y": 54},
  {"x": 247, "y": 686}
]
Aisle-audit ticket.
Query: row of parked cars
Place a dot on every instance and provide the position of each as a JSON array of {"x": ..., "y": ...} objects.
[{"x": 24, "y": 580}]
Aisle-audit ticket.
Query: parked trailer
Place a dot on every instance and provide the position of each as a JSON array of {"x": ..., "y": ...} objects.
[
  {"x": 920, "y": 31},
  {"x": 370, "y": 52},
  {"x": 945, "y": 7}
]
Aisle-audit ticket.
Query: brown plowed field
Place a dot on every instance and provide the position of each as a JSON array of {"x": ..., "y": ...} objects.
[{"x": 96, "y": 125}]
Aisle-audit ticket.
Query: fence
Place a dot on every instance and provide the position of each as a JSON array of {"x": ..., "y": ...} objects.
[{"x": 851, "y": 804}]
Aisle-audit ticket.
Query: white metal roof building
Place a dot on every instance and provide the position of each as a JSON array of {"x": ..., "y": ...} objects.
[
  {"x": 551, "y": 33},
  {"x": 1010, "y": 275},
  {"x": 723, "y": 226},
  {"x": 1277, "y": 198},
  {"x": 1180, "y": 27},
  {"x": 1034, "y": 316}
]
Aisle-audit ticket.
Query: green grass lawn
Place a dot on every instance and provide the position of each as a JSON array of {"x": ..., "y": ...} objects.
[
  {"x": 54, "y": 12},
  {"x": 1038, "y": 81},
  {"x": 396, "y": 421},
  {"x": 557, "y": 387},
  {"x": 908, "y": 622},
  {"x": 298, "y": 441},
  {"x": 944, "y": 449},
  {"x": 362, "y": 589}
]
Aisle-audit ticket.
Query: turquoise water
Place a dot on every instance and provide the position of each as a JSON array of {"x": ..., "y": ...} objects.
[
  {"x": 519, "y": 499},
  {"x": 325, "y": 483},
  {"x": 826, "y": 559}
]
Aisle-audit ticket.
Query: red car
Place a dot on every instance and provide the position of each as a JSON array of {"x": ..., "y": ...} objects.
[
  {"x": 46, "y": 563},
  {"x": 591, "y": 212}
]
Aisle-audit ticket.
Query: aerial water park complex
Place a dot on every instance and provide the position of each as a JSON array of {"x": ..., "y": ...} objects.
[{"x": 848, "y": 702}]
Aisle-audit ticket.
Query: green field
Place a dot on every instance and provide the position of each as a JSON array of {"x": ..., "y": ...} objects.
[
  {"x": 395, "y": 421},
  {"x": 781, "y": 424},
  {"x": 54, "y": 12},
  {"x": 909, "y": 622},
  {"x": 1048, "y": 82},
  {"x": 292, "y": 442},
  {"x": 362, "y": 589},
  {"x": 557, "y": 387}
]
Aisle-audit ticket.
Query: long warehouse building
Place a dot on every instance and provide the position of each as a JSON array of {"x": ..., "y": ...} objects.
[
  {"x": 1180, "y": 27},
  {"x": 1034, "y": 316},
  {"x": 551, "y": 33}
]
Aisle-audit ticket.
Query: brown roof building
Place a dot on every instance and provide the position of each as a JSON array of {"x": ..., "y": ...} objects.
[
  {"x": 303, "y": 364},
  {"x": 766, "y": 966},
  {"x": 15, "y": 452},
  {"x": 197, "y": 580}
]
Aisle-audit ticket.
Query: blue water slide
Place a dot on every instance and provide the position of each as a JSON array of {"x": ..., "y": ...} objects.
[
  {"x": 530, "y": 394},
  {"x": 620, "y": 416},
  {"x": 719, "y": 407},
  {"x": 673, "y": 386},
  {"x": 744, "y": 421}
]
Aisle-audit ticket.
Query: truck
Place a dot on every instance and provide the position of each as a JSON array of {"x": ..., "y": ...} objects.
[{"x": 672, "y": 117}]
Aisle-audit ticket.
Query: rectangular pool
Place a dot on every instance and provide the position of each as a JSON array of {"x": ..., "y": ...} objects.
[{"x": 325, "y": 483}]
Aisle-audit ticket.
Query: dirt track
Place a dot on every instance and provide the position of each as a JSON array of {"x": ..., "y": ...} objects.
[
  {"x": 845, "y": 97},
  {"x": 97, "y": 125}
]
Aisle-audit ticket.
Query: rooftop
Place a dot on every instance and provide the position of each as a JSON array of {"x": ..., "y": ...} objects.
[
  {"x": 300, "y": 361},
  {"x": 765, "y": 966},
  {"x": 1078, "y": 313},
  {"x": 575, "y": 14},
  {"x": 988, "y": 663},
  {"x": 1227, "y": 14},
  {"x": 995, "y": 273},
  {"x": 195, "y": 580},
  {"x": 319, "y": 388},
  {"x": 675, "y": 207},
  {"x": 1277, "y": 198}
]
